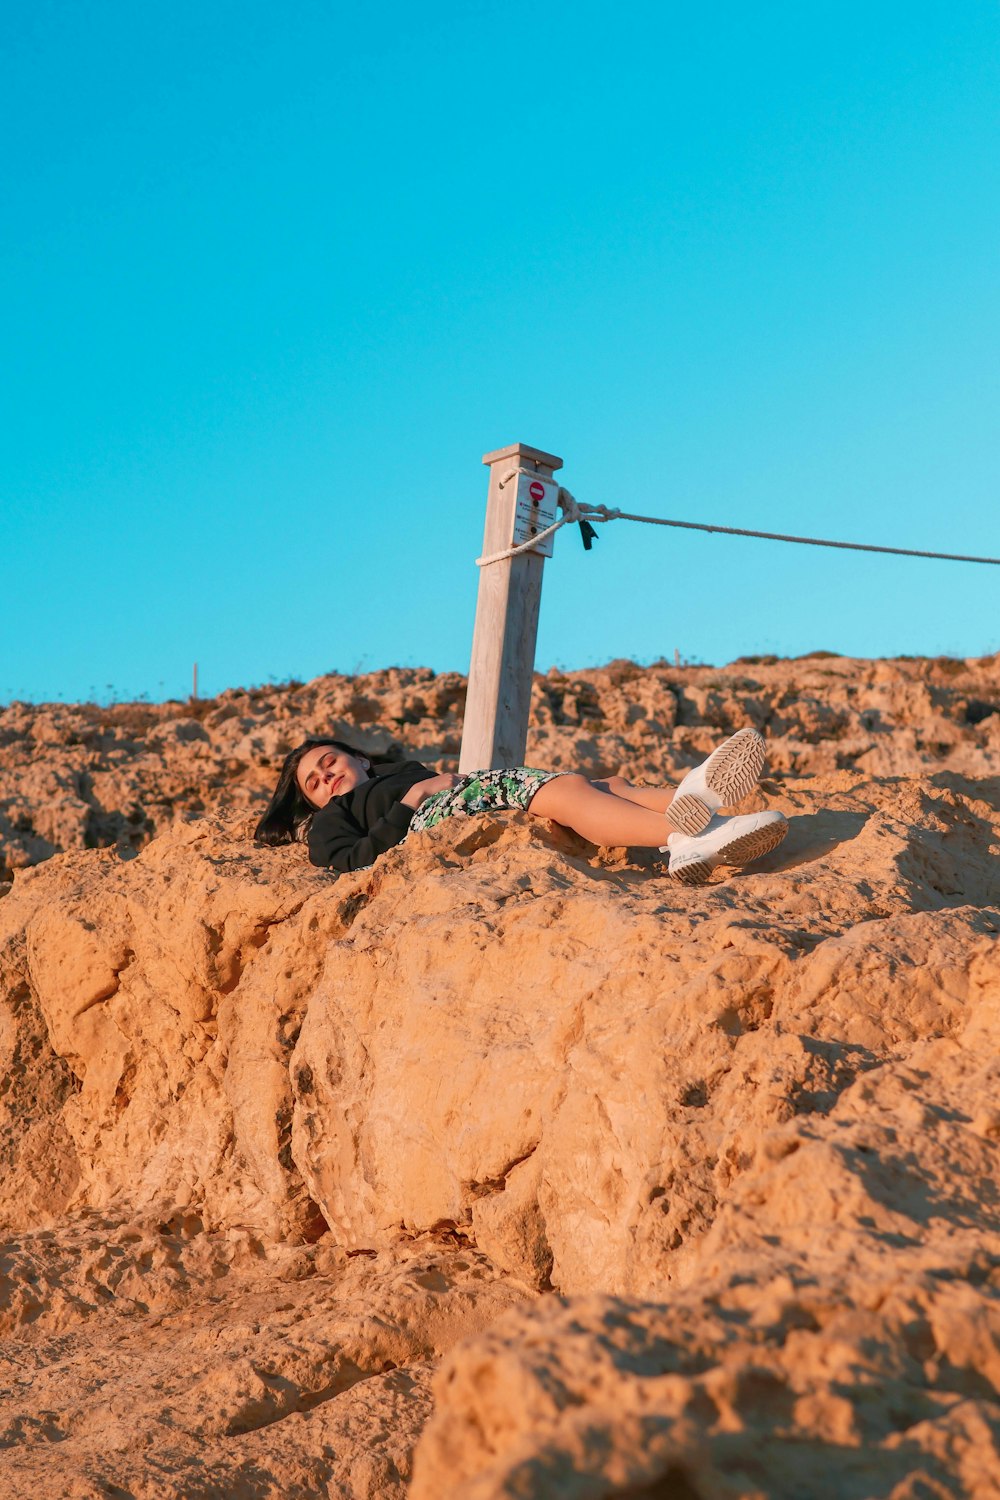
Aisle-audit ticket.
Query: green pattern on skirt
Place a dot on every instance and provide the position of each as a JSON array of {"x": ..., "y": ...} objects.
[{"x": 479, "y": 792}]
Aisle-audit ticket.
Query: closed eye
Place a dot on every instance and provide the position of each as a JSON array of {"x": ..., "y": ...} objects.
[{"x": 312, "y": 779}]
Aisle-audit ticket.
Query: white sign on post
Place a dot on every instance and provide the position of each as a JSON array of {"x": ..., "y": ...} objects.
[{"x": 537, "y": 507}]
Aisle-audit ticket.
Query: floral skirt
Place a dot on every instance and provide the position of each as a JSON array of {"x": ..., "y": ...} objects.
[{"x": 481, "y": 791}]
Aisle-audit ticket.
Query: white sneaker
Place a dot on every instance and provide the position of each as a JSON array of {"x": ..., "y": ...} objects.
[
  {"x": 730, "y": 772},
  {"x": 726, "y": 841}
]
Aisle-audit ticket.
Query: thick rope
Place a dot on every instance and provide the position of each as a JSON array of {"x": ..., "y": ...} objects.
[{"x": 574, "y": 511}]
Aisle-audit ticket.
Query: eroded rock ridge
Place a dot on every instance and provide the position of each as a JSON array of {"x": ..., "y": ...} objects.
[{"x": 508, "y": 1167}]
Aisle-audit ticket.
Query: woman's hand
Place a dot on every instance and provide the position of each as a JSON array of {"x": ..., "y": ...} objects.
[{"x": 424, "y": 789}]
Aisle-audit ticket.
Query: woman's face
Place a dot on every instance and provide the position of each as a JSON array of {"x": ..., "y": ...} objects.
[{"x": 325, "y": 772}]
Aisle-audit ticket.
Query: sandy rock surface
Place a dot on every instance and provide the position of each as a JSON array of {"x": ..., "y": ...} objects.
[
  {"x": 508, "y": 1167},
  {"x": 154, "y": 1358}
]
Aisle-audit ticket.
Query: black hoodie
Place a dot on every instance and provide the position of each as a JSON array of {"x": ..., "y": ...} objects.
[{"x": 351, "y": 831}]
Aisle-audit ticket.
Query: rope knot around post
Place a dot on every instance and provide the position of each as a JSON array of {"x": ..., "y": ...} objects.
[{"x": 572, "y": 510}]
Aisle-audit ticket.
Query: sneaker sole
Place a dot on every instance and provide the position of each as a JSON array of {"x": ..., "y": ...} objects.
[
  {"x": 731, "y": 773},
  {"x": 742, "y": 851}
]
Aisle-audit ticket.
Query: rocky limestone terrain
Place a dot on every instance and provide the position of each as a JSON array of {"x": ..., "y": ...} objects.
[
  {"x": 508, "y": 1167},
  {"x": 82, "y": 776}
]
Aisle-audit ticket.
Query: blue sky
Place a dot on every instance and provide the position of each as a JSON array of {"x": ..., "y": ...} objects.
[{"x": 275, "y": 278}]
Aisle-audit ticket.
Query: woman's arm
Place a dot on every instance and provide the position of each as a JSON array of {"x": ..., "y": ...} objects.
[{"x": 424, "y": 789}]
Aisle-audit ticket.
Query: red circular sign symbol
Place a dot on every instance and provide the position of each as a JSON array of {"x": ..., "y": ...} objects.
[{"x": 536, "y": 491}]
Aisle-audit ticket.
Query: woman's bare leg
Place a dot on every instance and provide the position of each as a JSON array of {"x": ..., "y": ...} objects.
[
  {"x": 658, "y": 798},
  {"x": 602, "y": 817}
]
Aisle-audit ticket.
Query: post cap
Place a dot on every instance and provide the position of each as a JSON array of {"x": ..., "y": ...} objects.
[{"x": 522, "y": 453}]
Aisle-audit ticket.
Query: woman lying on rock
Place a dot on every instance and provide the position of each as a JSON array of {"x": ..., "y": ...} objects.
[{"x": 351, "y": 809}]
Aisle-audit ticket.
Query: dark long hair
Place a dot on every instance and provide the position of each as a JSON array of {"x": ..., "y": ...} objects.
[{"x": 289, "y": 813}]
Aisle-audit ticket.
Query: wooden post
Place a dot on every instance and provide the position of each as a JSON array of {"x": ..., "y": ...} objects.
[{"x": 503, "y": 643}]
